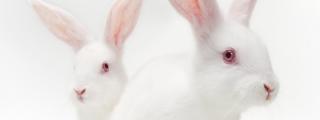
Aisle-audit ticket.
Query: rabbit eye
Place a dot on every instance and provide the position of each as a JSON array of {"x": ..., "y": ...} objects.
[
  {"x": 105, "y": 67},
  {"x": 229, "y": 56}
]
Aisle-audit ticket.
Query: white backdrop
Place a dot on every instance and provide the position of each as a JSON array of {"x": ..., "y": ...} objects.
[{"x": 36, "y": 68}]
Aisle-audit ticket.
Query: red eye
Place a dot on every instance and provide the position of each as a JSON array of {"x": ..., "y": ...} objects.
[
  {"x": 229, "y": 56},
  {"x": 105, "y": 67}
]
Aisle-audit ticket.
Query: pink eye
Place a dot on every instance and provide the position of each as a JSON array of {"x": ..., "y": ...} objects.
[
  {"x": 229, "y": 56},
  {"x": 105, "y": 67}
]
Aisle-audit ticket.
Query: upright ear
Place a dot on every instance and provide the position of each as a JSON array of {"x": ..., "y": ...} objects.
[
  {"x": 61, "y": 24},
  {"x": 202, "y": 14},
  {"x": 241, "y": 10},
  {"x": 122, "y": 20}
]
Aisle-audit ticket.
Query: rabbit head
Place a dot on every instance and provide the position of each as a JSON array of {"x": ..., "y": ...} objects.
[
  {"x": 231, "y": 63},
  {"x": 99, "y": 74}
]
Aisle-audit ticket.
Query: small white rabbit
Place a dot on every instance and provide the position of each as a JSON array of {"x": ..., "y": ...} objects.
[
  {"x": 99, "y": 73},
  {"x": 229, "y": 71}
]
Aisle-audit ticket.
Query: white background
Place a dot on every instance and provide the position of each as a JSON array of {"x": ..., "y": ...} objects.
[{"x": 36, "y": 68}]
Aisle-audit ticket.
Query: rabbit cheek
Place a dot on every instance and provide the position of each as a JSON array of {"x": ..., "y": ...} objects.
[{"x": 250, "y": 91}]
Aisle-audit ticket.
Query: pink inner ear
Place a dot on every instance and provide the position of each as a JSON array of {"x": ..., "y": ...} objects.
[
  {"x": 122, "y": 20},
  {"x": 115, "y": 24},
  {"x": 117, "y": 35},
  {"x": 201, "y": 13},
  {"x": 195, "y": 8},
  {"x": 188, "y": 8},
  {"x": 61, "y": 23}
]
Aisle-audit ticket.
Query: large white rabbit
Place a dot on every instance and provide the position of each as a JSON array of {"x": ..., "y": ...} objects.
[
  {"x": 99, "y": 73},
  {"x": 228, "y": 72}
]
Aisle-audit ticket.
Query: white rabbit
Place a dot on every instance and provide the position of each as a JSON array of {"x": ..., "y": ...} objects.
[
  {"x": 229, "y": 71},
  {"x": 99, "y": 73}
]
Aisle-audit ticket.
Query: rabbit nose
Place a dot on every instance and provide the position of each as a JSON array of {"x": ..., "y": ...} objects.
[
  {"x": 80, "y": 92},
  {"x": 268, "y": 88}
]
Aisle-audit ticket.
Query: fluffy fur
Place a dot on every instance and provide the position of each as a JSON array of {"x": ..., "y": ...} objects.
[
  {"x": 102, "y": 89},
  {"x": 201, "y": 86}
]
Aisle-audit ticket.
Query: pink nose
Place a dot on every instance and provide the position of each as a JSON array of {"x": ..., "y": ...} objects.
[
  {"x": 80, "y": 92},
  {"x": 269, "y": 90}
]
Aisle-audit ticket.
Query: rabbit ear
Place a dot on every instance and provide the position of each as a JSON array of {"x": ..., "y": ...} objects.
[
  {"x": 61, "y": 24},
  {"x": 241, "y": 10},
  {"x": 122, "y": 20},
  {"x": 202, "y": 14}
]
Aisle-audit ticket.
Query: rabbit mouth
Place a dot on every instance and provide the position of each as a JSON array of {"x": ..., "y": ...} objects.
[
  {"x": 80, "y": 99},
  {"x": 269, "y": 95},
  {"x": 269, "y": 98}
]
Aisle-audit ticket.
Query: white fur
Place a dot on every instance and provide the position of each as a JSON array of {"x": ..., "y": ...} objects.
[
  {"x": 200, "y": 86},
  {"x": 103, "y": 89}
]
